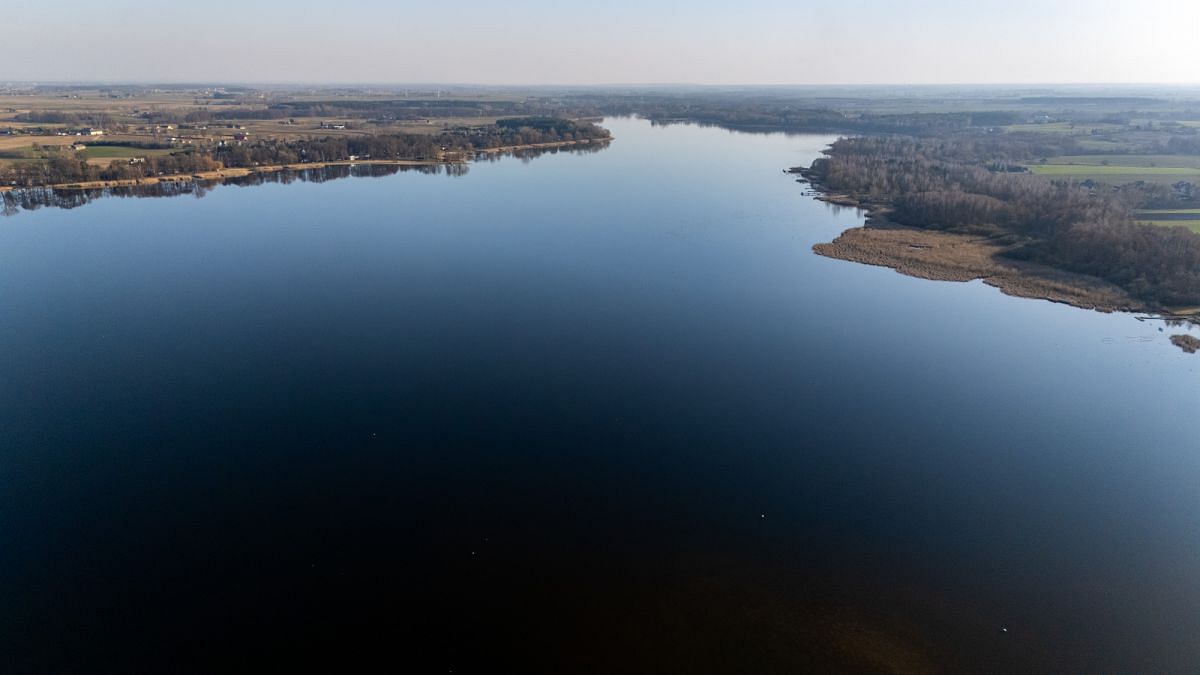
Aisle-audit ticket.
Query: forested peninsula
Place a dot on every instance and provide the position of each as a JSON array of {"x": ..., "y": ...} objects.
[{"x": 964, "y": 207}]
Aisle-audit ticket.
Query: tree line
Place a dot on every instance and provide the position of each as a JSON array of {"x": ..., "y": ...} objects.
[
  {"x": 66, "y": 167},
  {"x": 15, "y": 201}
]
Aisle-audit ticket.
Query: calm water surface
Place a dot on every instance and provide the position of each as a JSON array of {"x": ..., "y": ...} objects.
[{"x": 598, "y": 412}]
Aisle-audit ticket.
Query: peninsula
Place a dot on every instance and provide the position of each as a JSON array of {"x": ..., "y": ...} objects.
[
  {"x": 967, "y": 206},
  {"x": 89, "y": 138}
]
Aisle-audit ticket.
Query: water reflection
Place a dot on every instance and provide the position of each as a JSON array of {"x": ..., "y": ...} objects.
[
  {"x": 527, "y": 155},
  {"x": 754, "y": 127},
  {"x": 29, "y": 199}
]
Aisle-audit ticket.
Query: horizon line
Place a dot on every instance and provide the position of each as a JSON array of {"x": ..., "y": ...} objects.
[{"x": 435, "y": 83}]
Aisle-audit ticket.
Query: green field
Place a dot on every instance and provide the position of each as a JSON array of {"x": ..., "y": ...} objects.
[
  {"x": 1064, "y": 128},
  {"x": 1141, "y": 161},
  {"x": 1081, "y": 170},
  {"x": 1193, "y": 225},
  {"x": 121, "y": 152},
  {"x": 1103, "y": 145},
  {"x": 1116, "y": 175},
  {"x": 1189, "y": 218}
]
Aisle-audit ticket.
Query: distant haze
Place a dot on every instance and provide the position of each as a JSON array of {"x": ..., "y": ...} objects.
[{"x": 621, "y": 41}]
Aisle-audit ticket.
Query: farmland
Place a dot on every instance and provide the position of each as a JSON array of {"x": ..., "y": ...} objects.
[
  {"x": 214, "y": 114},
  {"x": 1077, "y": 170},
  {"x": 1120, "y": 168},
  {"x": 102, "y": 155},
  {"x": 1128, "y": 160},
  {"x": 122, "y": 152},
  {"x": 1193, "y": 225},
  {"x": 40, "y": 148},
  {"x": 1116, "y": 175},
  {"x": 206, "y": 116},
  {"x": 1069, "y": 128},
  {"x": 1189, "y": 218},
  {"x": 76, "y": 135}
]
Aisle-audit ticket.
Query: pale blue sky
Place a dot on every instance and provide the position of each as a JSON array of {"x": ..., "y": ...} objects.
[{"x": 620, "y": 41}]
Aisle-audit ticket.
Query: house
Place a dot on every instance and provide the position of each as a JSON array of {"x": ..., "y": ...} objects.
[
  {"x": 78, "y": 146},
  {"x": 91, "y": 132},
  {"x": 241, "y": 136}
]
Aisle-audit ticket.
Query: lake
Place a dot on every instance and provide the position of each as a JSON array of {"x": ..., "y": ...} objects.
[{"x": 600, "y": 412}]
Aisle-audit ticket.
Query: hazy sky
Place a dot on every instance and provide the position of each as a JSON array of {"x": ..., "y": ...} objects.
[{"x": 619, "y": 41}]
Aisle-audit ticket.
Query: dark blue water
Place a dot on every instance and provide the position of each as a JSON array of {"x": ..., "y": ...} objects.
[{"x": 586, "y": 413}]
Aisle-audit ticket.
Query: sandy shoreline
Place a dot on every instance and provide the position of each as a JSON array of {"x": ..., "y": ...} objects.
[{"x": 224, "y": 174}]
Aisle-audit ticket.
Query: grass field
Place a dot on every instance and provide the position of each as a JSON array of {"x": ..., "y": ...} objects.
[
  {"x": 1189, "y": 218},
  {"x": 1064, "y": 128},
  {"x": 25, "y": 142},
  {"x": 1193, "y": 225},
  {"x": 21, "y": 149},
  {"x": 122, "y": 152},
  {"x": 15, "y": 149},
  {"x": 1141, "y": 161},
  {"x": 1080, "y": 170},
  {"x": 1116, "y": 175},
  {"x": 1104, "y": 145}
]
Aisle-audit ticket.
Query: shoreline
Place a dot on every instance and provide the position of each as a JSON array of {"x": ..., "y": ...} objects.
[
  {"x": 241, "y": 172},
  {"x": 953, "y": 256},
  {"x": 544, "y": 146},
  {"x": 222, "y": 174}
]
